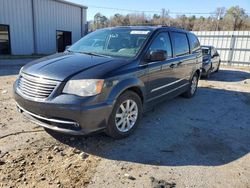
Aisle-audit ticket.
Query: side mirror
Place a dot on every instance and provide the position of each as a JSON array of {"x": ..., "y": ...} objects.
[{"x": 156, "y": 55}]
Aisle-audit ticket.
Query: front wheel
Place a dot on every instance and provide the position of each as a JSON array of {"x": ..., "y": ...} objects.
[
  {"x": 125, "y": 115},
  {"x": 192, "y": 87}
]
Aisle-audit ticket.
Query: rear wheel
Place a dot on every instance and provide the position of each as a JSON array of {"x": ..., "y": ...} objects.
[
  {"x": 125, "y": 115},
  {"x": 192, "y": 86}
]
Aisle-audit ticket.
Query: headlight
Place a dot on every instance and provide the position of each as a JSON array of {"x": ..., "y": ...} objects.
[{"x": 88, "y": 87}]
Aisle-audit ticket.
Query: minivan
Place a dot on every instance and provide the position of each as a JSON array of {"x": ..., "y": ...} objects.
[{"x": 108, "y": 78}]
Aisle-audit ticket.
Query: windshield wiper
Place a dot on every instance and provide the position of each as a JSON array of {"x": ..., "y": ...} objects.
[{"x": 94, "y": 54}]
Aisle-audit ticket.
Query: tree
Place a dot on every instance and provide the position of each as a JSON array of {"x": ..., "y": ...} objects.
[
  {"x": 156, "y": 20},
  {"x": 219, "y": 14},
  {"x": 156, "y": 16},
  {"x": 235, "y": 18},
  {"x": 100, "y": 21},
  {"x": 238, "y": 15},
  {"x": 165, "y": 17}
]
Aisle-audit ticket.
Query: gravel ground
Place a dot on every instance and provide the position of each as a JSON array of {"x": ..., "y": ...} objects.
[{"x": 198, "y": 142}]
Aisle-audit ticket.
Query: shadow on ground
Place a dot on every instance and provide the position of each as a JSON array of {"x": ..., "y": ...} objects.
[
  {"x": 226, "y": 75},
  {"x": 210, "y": 129}
]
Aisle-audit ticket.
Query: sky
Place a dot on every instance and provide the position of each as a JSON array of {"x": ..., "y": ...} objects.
[{"x": 154, "y": 6}]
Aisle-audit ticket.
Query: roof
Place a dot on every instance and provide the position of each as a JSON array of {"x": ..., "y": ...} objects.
[
  {"x": 152, "y": 28},
  {"x": 70, "y": 3}
]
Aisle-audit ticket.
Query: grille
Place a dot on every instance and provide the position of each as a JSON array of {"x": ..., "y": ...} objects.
[{"x": 34, "y": 87}]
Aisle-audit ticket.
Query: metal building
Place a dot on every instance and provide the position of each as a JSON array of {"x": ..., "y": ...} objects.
[{"x": 39, "y": 26}]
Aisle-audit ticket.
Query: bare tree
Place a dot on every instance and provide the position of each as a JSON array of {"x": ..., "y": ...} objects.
[
  {"x": 165, "y": 17},
  {"x": 219, "y": 14},
  {"x": 235, "y": 18}
]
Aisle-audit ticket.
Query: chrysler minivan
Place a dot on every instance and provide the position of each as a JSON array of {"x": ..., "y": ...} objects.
[{"x": 108, "y": 78}]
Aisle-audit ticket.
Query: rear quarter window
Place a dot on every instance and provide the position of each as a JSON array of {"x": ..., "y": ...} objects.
[{"x": 181, "y": 45}]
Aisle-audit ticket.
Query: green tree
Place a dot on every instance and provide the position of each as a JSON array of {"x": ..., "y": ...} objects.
[
  {"x": 100, "y": 21},
  {"x": 238, "y": 16}
]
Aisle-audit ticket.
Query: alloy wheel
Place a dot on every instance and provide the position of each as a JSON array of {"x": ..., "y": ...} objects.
[
  {"x": 126, "y": 115},
  {"x": 194, "y": 84}
]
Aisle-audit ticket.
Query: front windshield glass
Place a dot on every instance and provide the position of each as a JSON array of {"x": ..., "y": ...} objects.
[
  {"x": 112, "y": 42},
  {"x": 205, "y": 51}
]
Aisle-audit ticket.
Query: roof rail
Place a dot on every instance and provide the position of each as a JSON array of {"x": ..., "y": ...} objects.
[{"x": 172, "y": 27}]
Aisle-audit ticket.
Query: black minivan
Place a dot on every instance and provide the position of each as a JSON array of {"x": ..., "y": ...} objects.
[{"x": 108, "y": 78}]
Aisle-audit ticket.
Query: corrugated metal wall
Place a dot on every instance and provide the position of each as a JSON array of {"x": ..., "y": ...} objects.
[
  {"x": 49, "y": 16},
  {"x": 233, "y": 46},
  {"x": 18, "y": 15}
]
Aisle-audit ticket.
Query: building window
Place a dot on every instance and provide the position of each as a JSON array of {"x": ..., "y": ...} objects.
[
  {"x": 4, "y": 39},
  {"x": 63, "y": 40}
]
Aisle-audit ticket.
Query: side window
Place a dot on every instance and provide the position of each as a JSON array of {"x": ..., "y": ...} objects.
[
  {"x": 162, "y": 42},
  {"x": 180, "y": 43},
  {"x": 194, "y": 42}
]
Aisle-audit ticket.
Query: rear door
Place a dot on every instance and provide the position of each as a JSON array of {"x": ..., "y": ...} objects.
[
  {"x": 195, "y": 51},
  {"x": 182, "y": 64}
]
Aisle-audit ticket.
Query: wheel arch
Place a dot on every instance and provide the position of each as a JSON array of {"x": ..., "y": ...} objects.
[
  {"x": 198, "y": 71},
  {"x": 131, "y": 84}
]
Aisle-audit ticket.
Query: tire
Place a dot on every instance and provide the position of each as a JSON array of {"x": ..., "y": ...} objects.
[
  {"x": 192, "y": 86},
  {"x": 122, "y": 122},
  {"x": 207, "y": 75},
  {"x": 217, "y": 70}
]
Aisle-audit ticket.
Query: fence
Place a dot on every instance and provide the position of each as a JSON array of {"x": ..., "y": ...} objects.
[{"x": 233, "y": 46}]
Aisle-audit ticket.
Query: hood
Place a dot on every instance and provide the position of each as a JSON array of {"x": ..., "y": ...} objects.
[{"x": 63, "y": 65}]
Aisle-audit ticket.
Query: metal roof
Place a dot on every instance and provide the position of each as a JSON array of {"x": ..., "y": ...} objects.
[{"x": 70, "y": 3}]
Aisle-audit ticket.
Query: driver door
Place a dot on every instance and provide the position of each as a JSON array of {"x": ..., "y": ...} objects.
[{"x": 161, "y": 76}]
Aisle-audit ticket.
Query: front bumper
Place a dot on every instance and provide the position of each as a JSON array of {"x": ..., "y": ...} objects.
[{"x": 66, "y": 113}]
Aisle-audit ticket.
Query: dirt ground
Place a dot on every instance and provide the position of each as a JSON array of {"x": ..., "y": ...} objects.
[{"x": 198, "y": 142}]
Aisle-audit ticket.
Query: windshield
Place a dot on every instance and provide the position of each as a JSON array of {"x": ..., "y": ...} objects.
[
  {"x": 112, "y": 42},
  {"x": 205, "y": 51}
]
